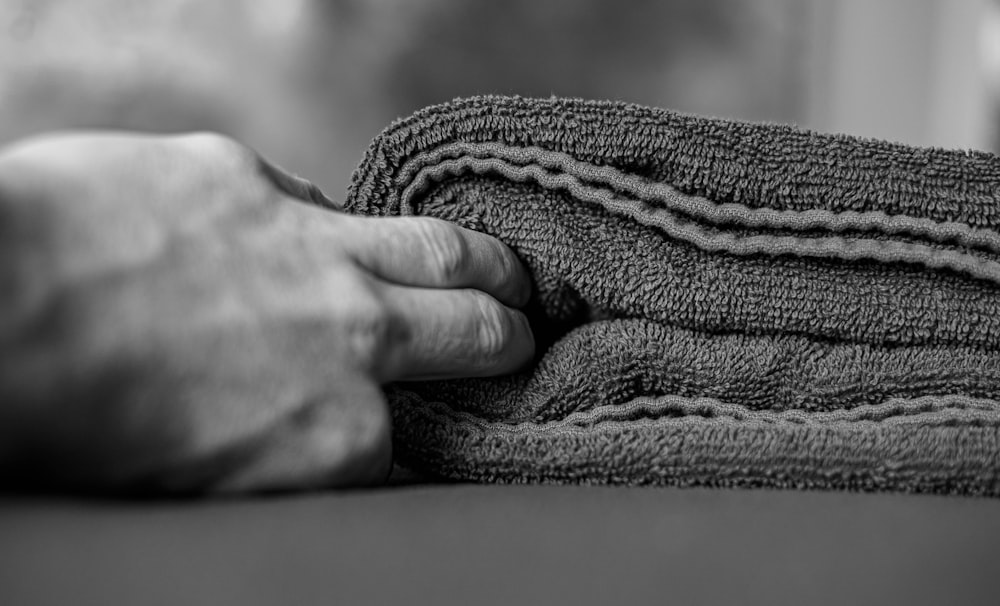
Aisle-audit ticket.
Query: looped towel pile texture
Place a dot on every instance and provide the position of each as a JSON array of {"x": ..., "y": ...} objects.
[{"x": 716, "y": 302}]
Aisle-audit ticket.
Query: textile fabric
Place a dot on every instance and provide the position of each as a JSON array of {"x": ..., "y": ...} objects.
[{"x": 716, "y": 302}]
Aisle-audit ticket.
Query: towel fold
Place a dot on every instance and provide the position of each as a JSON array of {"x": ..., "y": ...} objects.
[{"x": 716, "y": 302}]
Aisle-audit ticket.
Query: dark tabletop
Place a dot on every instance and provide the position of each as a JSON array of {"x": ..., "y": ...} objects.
[{"x": 464, "y": 544}]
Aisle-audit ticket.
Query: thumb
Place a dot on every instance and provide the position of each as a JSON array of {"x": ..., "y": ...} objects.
[{"x": 296, "y": 186}]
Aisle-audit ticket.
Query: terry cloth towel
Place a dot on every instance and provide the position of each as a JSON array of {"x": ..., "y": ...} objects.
[{"x": 717, "y": 302}]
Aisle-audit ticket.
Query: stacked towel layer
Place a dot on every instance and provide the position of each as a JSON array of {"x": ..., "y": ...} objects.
[{"x": 717, "y": 303}]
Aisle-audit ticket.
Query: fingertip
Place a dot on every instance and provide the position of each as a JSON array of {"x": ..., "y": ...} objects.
[
  {"x": 523, "y": 290},
  {"x": 527, "y": 340},
  {"x": 517, "y": 349},
  {"x": 460, "y": 334},
  {"x": 514, "y": 272}
]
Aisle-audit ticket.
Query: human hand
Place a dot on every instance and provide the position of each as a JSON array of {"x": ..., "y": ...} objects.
[{"x": 173, "y": 317}]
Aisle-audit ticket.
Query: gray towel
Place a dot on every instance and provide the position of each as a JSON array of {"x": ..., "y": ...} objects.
[{"x": 717, "y": 302}]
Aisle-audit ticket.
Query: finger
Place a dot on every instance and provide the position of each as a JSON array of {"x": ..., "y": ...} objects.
[
  {"x": 296, "y": 186},
  {"x": 431, "y": 253},
  {"x": 454, "y": 334},
  {"x": 341, "y": 442}
]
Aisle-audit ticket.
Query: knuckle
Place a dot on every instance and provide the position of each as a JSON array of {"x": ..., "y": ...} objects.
[
  {"x": 367, "y": 329},
  {"x": 219, "y": 147},
  {"x": 209, "y": 141},
  {"x": 446, "y": 249}
]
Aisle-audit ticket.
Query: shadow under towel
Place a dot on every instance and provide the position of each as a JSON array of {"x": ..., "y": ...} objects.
[{"x": 716, "y": 302}]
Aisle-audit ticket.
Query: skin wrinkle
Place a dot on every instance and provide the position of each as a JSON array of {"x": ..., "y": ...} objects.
[{"x": 721, "y": 303}]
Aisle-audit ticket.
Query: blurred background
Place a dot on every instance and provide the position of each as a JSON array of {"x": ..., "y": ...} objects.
[{"x": 309, "y": 82}]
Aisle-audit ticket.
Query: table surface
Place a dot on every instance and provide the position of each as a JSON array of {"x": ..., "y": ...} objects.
[{"x": 467, "y": 544}]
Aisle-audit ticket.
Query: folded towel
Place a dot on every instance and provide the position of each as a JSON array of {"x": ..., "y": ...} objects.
[{"x": 716, "y": 302}]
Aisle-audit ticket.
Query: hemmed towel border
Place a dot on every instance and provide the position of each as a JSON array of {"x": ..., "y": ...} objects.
[{"x": 658, "y": 205}]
